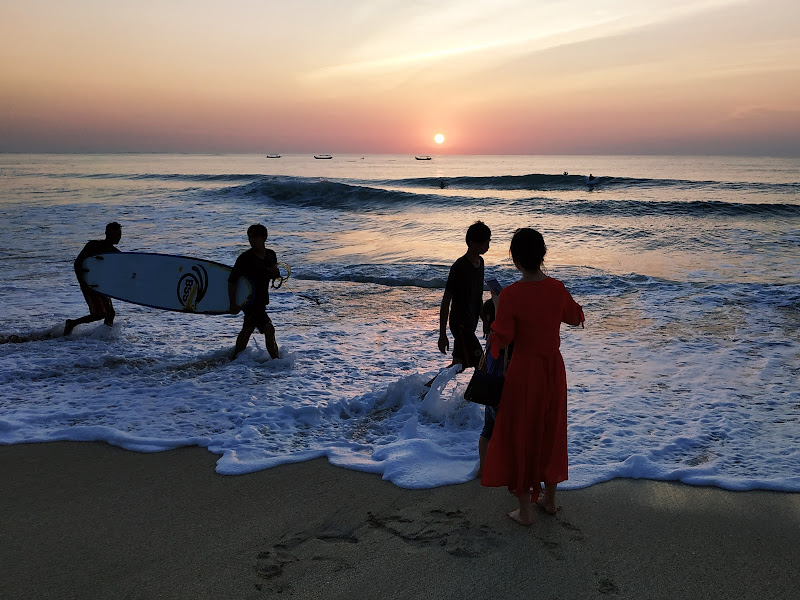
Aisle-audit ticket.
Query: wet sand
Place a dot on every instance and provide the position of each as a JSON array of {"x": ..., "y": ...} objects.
[{"x": 88, "y": 520}]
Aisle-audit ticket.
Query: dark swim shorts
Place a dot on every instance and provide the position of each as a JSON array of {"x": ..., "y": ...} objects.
[
  {"x": 258, "y": 320},
  {"x": 99, "y": 304},
  {"x": 466, "y": 348}
]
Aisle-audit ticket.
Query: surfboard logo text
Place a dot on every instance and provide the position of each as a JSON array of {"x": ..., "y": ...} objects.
[{"x": 192, "y": 287}]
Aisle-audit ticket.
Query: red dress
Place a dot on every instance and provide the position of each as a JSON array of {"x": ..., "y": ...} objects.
[{"x": 529, "y": 441}]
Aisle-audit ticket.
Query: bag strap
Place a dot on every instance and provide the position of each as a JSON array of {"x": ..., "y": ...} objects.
[{"x": 482, "y": 362}]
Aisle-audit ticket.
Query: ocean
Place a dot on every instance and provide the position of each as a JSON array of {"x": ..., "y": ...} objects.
[{"x": 687, "y": 269}]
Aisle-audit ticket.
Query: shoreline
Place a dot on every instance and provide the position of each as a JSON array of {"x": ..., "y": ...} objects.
[{"x": 90, "y": 520}]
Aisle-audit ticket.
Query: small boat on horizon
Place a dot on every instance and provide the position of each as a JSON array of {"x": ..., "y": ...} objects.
[
  {"x": 273, "y": 155},
  {"x": 322, "y": 156},
  {"x": 421, "y": 157}
]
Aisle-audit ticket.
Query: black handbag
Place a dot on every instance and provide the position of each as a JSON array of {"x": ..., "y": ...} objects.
[{"x": 484, "y": 387}]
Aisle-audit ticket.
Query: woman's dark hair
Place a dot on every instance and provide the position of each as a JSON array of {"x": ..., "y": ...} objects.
[{"x": 528, "y": 249}]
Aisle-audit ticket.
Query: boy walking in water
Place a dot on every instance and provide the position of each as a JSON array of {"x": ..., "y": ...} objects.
[
  {"x": 259, "y": 265},
  {"x": 100, "y": 306},
  {"x": 463, "y": 299}
]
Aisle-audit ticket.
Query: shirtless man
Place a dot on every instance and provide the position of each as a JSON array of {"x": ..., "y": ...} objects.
[{"x": 100, "y": 306}]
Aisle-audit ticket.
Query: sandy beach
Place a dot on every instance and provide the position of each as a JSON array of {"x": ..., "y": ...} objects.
[{"x": 88, "y": 520}]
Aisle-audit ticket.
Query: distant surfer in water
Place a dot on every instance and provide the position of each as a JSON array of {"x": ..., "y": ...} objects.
[
  {"x": 260, "y": 266},
  {"x": 100, "y": 306}
]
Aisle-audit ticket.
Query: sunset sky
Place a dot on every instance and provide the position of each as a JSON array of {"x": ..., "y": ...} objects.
[{"x": 372, "y": 76}]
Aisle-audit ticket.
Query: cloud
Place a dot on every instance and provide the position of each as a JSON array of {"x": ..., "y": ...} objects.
[{"x": 461, "y": 30}]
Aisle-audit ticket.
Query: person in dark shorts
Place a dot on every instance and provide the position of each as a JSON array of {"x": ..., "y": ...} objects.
[
  {"x": 260, "y": 266},
  {"x": 100, "y": 306},
  {"x": 463, "y": 298}
]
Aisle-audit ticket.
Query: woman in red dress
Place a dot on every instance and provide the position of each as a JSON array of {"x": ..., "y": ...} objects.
[{"x": 529, "y": 442}]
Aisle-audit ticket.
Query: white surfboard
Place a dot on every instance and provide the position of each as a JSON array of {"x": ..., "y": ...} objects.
[{"x": 179, "y": 283}]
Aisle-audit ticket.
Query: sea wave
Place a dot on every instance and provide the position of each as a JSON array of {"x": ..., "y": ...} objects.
[
  {"x": 168, "y": 177},
  {"x": 364, "y": 275},
  {"x": 619, "y": 197},
  {"x": 310, "y": 193},
  {"x": 305, "y": 193},
  {"x": 547, "y": 182},
  {"x": 582, "y": 282},
  {"x": 532, "y": 181},
  {"x": 645, "y": 208}
]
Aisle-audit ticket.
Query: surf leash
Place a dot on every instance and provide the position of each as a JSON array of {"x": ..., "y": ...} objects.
[
  {"x": 277, "y": 283},
  {"x": 281, "y": 279}
]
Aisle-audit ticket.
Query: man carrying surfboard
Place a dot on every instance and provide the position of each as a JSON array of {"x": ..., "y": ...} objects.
[
  {"x": 100, "y": 306},
  {"x": 260, "y": 266}
]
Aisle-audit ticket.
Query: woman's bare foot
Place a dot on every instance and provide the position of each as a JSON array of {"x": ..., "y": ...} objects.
[
  {"x": 516, "y": 515},
  {"x": 548, "y": 507}
]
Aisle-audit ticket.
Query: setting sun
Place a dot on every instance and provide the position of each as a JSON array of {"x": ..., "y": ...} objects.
[{"x": 438, "y": 138}]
